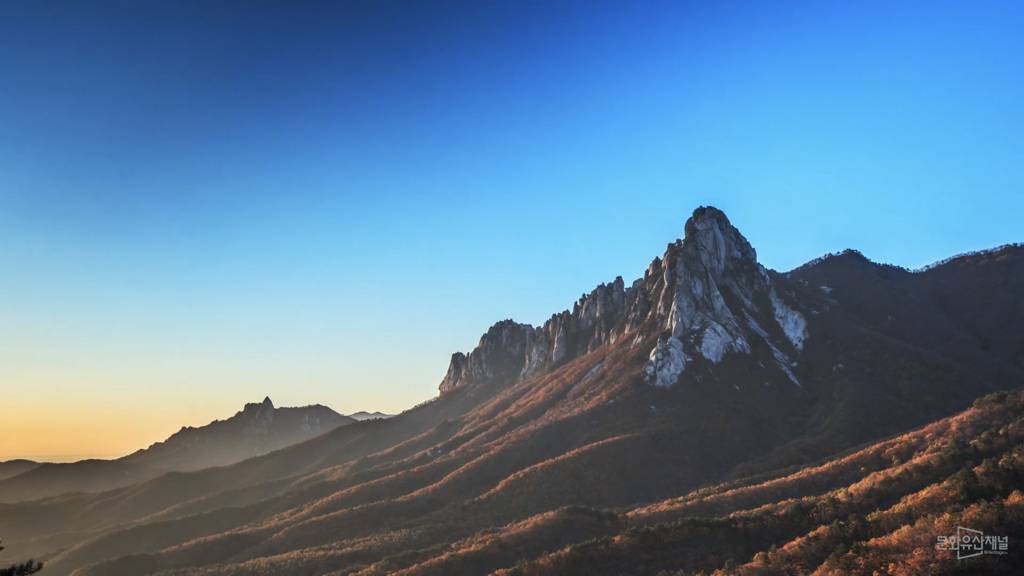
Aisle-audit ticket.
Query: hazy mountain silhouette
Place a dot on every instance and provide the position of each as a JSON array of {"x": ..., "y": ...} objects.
[
  {"x": 14, "y": 467},
  {"x": 257, "y": 429},
  {"x": 363, "y": 415}
]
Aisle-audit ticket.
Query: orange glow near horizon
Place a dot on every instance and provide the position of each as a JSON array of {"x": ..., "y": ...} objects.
[
  {"x": 71, "y": 426},
  {"x": 58, "y": 418}
]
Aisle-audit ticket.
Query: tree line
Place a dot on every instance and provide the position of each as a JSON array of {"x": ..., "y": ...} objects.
[{"x": 27, "y": 567}]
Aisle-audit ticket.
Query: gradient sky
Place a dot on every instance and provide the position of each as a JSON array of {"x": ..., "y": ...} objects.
[{"x": 202, "y": 203}]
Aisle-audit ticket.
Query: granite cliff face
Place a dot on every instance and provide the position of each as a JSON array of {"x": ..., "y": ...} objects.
[
  {"x": 510, "y": 351},
  {"x": 705, "y": 298},
  {"x": 715, "y": 299}
]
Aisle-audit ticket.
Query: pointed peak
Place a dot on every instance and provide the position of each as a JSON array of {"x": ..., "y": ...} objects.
[
  {"x": 712, "y": 251},
  {"x": 705, "y": 217},
  {"x": 711, "y": 238},
  {"x": 267, "y": 404}
]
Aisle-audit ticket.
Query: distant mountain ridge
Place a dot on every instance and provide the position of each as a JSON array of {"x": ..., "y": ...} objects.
[
  {"x": 257, "y": 429},
  {"x": 364, "y": 415},
  {"x": 11, "y": 468}
]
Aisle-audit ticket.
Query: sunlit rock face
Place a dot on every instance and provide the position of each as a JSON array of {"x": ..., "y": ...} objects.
[
  {"x": 713, "y": 260},
  {"x": 511, "y": 351},
  {"x": 706, "y": 297},
  {"x": 715, "y": 293},
  {"x": 792, "y": 322},
  {"x": 666, "y": 362},
  {"x": 453, "y": 378},
  {"x": 504, "y": 352}
]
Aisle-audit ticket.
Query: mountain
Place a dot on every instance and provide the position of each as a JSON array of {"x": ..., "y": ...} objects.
[
  {"x": 880, "y": 509},
  {"x": 15, "y": 467},
  {"x": 618, "y": 428},
  {"x": 257, "y": 429},
  {"x": 363, "y": 415}
]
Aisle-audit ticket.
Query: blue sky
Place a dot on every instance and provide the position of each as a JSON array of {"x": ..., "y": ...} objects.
[{"x": 205, "y": 202}]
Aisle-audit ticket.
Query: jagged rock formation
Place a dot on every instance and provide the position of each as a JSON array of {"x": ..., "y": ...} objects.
[
  {"x": 510, "y": 350},
  {"x": 706, "y": 297},
  {"x": 258, "y": 416},
  {"x": 505, "y": 351}
]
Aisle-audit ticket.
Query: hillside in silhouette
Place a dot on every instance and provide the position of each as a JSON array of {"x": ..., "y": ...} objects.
[
  {"x": 257, "y": 429},
  {"x": 14, "y": 467}
]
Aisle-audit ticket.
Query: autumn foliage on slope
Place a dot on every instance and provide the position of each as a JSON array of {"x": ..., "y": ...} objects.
[{"x": 876, "y": 511}]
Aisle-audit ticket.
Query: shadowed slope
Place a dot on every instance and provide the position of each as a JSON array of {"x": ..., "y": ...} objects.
[{"x": 966, "y": 470}]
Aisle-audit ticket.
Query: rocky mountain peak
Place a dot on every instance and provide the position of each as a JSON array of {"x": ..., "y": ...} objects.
[
  {"x": 717, "y": 300},
  {"x": 266, "y": 411},
  {"x": 715, "y": 242},
  {"x": 258, "y": 407},
  {"x": 259, "y": 415},
  {"x": 706, "y": 297}
]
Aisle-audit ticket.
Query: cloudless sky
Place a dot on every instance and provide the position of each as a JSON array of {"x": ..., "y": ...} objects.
[{"x": 202, "y": 203}]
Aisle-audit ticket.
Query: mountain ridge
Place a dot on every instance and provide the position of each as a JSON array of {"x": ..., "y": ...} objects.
[
  {"x": 11, "y": 468},
  {"x": 365, "y": 415},
  {"x": 679, "y": 292},
  {"x": 884, "y": 351},
  {"x": 257, "y": 428}
]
